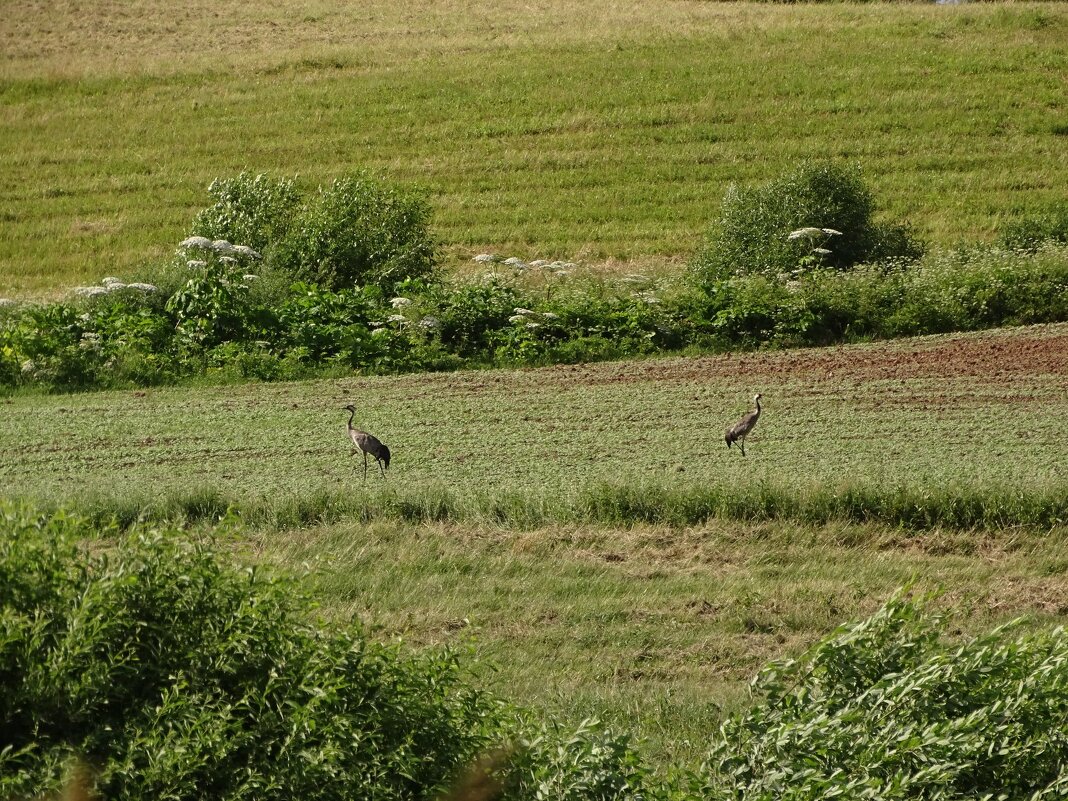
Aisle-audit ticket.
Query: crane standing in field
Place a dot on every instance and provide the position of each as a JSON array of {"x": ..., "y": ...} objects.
[
  {"x": 739, "y": 431},
  {"x": 369, "y": 444}
]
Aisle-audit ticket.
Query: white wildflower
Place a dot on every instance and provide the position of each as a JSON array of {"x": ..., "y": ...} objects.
[
  {"x": 196, "y": 242},
  {"x": 807, "y": 233},
  {"x": 250, "y": 277},
  {"x": 379, "y": 332},
  {"x": 398, "y": 319},
  {"x": 89, "y": 341},
  {"x": 518, "y": 263},
  {"x": 222, "y": 246},
  {"x": 90, "y": 291},
  {"x": 522, "y": 311},
  {"x": 29, "y": 366},
  {"x": 400, "y": 303},
  {"x": 635, "y": 278},
  {"x": 245, "y": 250},
  {"x": 430, "y": 323},
  {"x": 143, "y": 287},
  {"x": 831, "y": 231},
  {"x": 539, "y": 263},
  {"x": 532, "y": 326},
  {"x": 196, "y": 264},
  {"x": 821, "y": 251},
  {"x": 550, "y": 316},
  {"x": 110, "y": 280},
  {"x": 517, "y": 318},
  {"x": 115, "y": 286},
  {"x": 484, "y": 258},
  {"x": 227, "y": 259}
]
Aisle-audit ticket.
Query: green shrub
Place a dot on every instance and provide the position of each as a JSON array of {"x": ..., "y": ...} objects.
[
  {"x": 253, "y": 210},
  {"x": 752, "y": 235},
  {"x": 884, "y": 710},
  {"x": 178, "y": 676},
  {"x": 1031, "y": 232},
  {"x": 358, "y": 231}
]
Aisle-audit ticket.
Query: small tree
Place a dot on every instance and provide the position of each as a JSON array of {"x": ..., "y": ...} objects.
[
  {"x": 752, "y": 234},
  {"x": 358, "y": 231}
]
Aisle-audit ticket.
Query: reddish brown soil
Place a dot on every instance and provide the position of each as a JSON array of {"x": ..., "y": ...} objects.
[{"x": 1006, "y": 355}]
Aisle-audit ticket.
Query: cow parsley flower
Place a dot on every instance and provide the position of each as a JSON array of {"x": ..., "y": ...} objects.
[
  {"x": 806, "y": 233},
  {"x": 201, "y": 242},
  {"x": 484, "y": 258},
  {"x": 400, "y": 303}
]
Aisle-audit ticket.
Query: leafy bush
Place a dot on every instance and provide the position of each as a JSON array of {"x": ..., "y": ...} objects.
[
  {"x": 253, "y": 210},
  {"x": 175, "y": 675},
  {"x": 1031, "y": 232},
  {"x": 178, "y": 676},
  {"x": 752, "y": 234},
  {"x": 884, "y": 710},
  {"x": 358, "y": 231}
]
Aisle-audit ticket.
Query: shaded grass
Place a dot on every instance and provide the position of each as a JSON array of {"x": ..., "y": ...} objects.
[
  {"x": 489, "y": 108},
  {"x": 979, "y": 508}
]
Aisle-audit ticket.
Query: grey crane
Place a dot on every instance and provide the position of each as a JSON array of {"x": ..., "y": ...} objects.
[
  {"x": 369, "y": 444},
  {"x": 739, "y": 431}
]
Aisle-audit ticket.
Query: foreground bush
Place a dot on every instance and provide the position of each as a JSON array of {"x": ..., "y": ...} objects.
[
  {"x": 175, "y": 675},
  {"x": 884, "y": 710},
  {"x": 828, "y": 202}
]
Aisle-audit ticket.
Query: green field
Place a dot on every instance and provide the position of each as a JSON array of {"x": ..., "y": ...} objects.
[
  {"x": 570, "y": 130},
  {"x": 581, "y": 530},
  {"x": 656, "y": 628}
]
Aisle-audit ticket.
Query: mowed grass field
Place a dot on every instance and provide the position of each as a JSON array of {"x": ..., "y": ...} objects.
[
  {"x": 655, "y": 628},
  {"x": 578, "y": 130}
]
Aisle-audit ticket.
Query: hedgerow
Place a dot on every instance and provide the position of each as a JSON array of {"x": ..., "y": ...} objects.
[{"x": 359, "y": 292}]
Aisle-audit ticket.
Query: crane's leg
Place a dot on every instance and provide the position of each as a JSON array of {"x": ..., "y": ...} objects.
[
  {"x": 381, "y": 469},
  {"x": 742, "y": 443},
  {"x": 365, "y": 465}
]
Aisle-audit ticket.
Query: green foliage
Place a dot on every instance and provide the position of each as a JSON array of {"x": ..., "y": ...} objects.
[
  {"x": 359, "y": 231},
  {"x": 752, "y": 235},
  {"x": 1031, "y": 232},
  {"x": 176, "y": 675},
  {"x": 884, "y": 710},
  {"x": 589, "y": 763},
  {"x": 213, "y": 306},
  {"x": 964, "y": 290},
  {"x": 253, "y": 210}
]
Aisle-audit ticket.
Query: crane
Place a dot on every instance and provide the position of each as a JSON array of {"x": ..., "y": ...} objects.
[
  {"x": 739, "y": 431},
  {"x": 368, "y": 444}
]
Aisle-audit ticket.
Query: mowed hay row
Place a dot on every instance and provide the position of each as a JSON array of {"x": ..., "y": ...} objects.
[{"x": 964, "y": 431}]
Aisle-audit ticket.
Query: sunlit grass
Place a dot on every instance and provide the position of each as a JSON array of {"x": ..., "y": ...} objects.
[{"x": 113, "y": 130}]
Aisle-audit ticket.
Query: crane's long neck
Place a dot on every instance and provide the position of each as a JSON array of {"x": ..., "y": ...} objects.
[
  {"x": 757, "y": 399},
  {"x": 352, "y": 414}
]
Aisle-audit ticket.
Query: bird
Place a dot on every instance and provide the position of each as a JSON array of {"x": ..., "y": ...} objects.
[
  {"x": 739, "y": 431},
  {"x": 369, "y": 444}
]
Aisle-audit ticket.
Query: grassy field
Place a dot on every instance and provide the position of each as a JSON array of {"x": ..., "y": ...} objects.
[
  {"x": 563, "y": 130},
  {"x": 655, "y": 628},
  {"x": 968, "y": 410}
]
